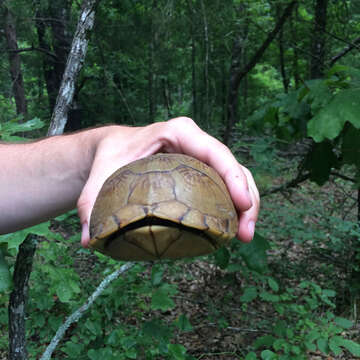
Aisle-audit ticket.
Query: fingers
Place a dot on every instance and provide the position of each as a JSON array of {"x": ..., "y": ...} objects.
[{"x": 237, "y": 178}]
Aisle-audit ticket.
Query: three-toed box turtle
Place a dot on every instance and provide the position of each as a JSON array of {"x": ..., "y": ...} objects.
[{"x": 163, "y": 206}]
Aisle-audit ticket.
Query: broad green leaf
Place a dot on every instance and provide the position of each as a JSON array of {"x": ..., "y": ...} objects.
[
  {"x": 250, "y": 294},
  {"x": 352, "y": 346},
  {"x": 334, "y": 345},
  {"x": 328, "y": 122},
  {"x": 268, "y": 355},
  {"x": 251, "y": 356},
  {"x": 266, "y": 340},
  {"x": 161, "y": 301},
  {"x": 177, "y": 351},
  {"x": 93, "y": 326},
  {"x": 183, "y": 323},
  {"x": 280, "y": 328},
  {"x": 5, "y": 277},
  {"x": 254, "y": 253},
  {"x": 157, "y": 272},
  {"x": 320, "y": 161},
  {"x": 343, "y": 322},
  {"x": 273, "y": 284},
  {"x": 12, "y": 127},
  {"x": 269, "y": 297},
  {"x": 222, "y": 257},
  {"x": 322, "y": 345}
]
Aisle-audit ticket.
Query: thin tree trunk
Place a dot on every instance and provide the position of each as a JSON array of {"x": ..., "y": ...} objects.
[
  {"x": 237, "y": 74},
  {"x": 284, "y": 77},
  {"x": 295, "y": 63},
  {"x": 206, "y": 64},
  {"x": 317, "y": 63},
  {"x": 15, "y": 63},
  {"x": 151, "y": 75},
  {"x": 57, "y": 21},
  {"x": 18, "y": 299},
  {"x": 73, "y": 66},
  {"x": 193, "y": 62}
]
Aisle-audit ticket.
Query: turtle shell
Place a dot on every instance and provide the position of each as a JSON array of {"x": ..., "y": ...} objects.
[{"x": 163, "y": 206}]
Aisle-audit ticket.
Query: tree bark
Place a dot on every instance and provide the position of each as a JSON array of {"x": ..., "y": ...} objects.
[
  {"x": 18, "y": 299},
  {"x": 57, "y": 21},
  {"x": 206, "y": 64},
  {"x": 237, "y": 73},
  {"x": 15, "y": 63},
  {"x": 73, "y": 66},
  {"x": 317, "y": 62},
  {"x": 151, "y": 75},
  {"x": 193, "y": 62},
  {"x": 284, "y": 77}
]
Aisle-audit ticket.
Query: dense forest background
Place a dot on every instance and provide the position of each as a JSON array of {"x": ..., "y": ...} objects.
[{"x": 278, "y": 82}]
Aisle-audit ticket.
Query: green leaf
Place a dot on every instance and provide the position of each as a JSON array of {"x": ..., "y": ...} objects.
[
  {"x": 5, "y": 277},
  {"x": 250, "y": 294},
  {"x": 269, "y": 297},
  {"x": 161, "y": 299},
  {"x": 322, "y": 345},
  {"x": 183, "y": 323},
  {"x": 222, "y": 257},
  {"x": 320, "y": 161},
  {"x": 266, "y": 340},
  {"x": 328, "y": 122},
  {"x": 11, "y": 127},
  {"x": 352, "y": 346},
  {"x": 343, "y": 322},
  {"x": 268, "y": 355},
  {"x": 334, "y": 345},
  {"x": 280, "y": 328},
  {"x": 157, "y": 273},
  {"x": 251, "y": 356},
  {"x": 273, "y": 284},
  {"x": 177, "y": 351},
  {"x": 254, "y": 253}
]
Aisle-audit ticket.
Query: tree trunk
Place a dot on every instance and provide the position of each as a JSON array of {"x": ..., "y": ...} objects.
[
  {"x": 193, "y": 62},
  {"x": 294, "y": 39},
  {"x": 73, "y": 66},
  {"x": 151, "y": 72},
  {"x": 18, "y": 299},
  {"x": 237, "y": 73},
  {"x": 15, "y": 63},
  {"x": 58, "y": 12},
  {"x": 206, "y": 65},
  {"x": 284, "y": 77},
  {"x": 317, "y": 63}
]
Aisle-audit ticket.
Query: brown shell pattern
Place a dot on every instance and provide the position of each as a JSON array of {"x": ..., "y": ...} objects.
[{"x": 163, "y": 206}]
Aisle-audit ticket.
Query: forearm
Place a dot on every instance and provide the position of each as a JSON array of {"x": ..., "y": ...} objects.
[{"x": 43, "y": 179}]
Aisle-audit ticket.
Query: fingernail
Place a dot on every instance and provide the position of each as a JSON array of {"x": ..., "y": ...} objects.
[{"x": 251, "y": 228}]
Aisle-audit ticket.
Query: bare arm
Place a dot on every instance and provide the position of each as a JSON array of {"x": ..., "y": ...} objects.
[{"x": 48, "y": 177}]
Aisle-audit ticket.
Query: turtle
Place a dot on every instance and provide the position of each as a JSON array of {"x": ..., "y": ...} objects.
[{"x": 165, "y": 206}]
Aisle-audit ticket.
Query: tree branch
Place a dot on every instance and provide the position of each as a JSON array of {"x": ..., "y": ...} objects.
[
  {"x": 290, "y": 184},
  {"x": 343, "y": 52},
  {"x": 33, "y": 48},
  {"x": 75, "y": 316}
]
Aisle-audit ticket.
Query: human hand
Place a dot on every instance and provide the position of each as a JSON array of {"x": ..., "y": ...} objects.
[{"x": 120, "y": 145}]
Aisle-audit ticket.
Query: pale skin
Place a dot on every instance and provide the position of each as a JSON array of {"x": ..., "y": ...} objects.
[{"x": 42, "y": 179}]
